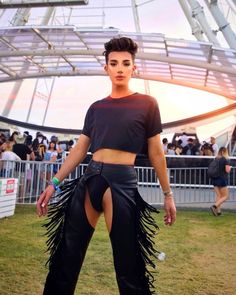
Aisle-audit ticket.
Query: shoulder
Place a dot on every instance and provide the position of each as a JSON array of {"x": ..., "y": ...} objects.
[
  {"x": 145, "y": 97},
  {"x": 96, "y": 104},
  {"x": 223, "y": 160}
]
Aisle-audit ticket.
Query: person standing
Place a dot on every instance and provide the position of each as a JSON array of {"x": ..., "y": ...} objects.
[
  {"x": 165, "y": 145},
  {"x": 220, "y": 183},
  {"x": 9, "y": 158},
  {"x": 184, "y": 138},
  {"x": 214, "y": 146},
  {"x": 51, "y": 155},
  {"x": 116, "y": 129}
]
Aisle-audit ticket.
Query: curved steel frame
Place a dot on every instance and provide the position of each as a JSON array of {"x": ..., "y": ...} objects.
[{"x": 70, "y": 51}]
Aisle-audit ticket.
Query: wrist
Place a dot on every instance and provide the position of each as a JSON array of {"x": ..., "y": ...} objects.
[
  {"x": 55, "y": 183},
  {"x": 55, "y": 180},
  {"x": 168, "y": 193}
]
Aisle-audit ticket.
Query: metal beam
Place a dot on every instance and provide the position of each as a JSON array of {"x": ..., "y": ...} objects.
[
  {"x": 142, "y": 56},
  {"x": 196, "y": 29},
  {"x": 223, "y": 24},
  {"x": 198, "y": 13},
  {"x": 7, "y": 4},
  {"x": 102, "y": 73}
]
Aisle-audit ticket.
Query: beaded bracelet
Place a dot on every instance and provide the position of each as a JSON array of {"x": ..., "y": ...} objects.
[{"x": 168, "y": 193}]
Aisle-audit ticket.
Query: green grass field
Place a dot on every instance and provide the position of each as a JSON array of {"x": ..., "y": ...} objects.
[{"x": 200, "y": 256}]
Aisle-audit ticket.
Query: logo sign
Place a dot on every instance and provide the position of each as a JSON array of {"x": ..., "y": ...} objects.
[{"x": 10, "y": 186}]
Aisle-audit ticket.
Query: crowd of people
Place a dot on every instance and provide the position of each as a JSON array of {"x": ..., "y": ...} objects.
[
  {"x": 41, "y": 148},
  {"x": 17, "y": 147},
  {"x": 25, "y": 147},
  {"x": 186, "y": 145}
]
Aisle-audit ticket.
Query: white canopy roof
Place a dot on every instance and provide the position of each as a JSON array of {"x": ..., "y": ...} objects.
[{"x": 43, "y": 51}]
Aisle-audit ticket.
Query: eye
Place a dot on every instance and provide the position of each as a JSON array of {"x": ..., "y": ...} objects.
[
  {"x": 113, "y": 64},
  {"x": 127, "y": 64}
]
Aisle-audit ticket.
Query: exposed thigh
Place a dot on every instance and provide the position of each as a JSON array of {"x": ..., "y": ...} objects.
[
  {"x": 119, "y": 211},
  {"x": 108, "y": 209},
  {"x": 224, "y": 191},
  {"x": 217, "y": 190}
]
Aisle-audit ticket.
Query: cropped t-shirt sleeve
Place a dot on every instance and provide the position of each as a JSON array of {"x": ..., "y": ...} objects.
[
  {"x": 153, "y": 120},
  {"x": 88, "y": 123}
]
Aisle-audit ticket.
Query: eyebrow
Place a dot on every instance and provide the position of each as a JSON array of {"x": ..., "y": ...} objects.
[{"x": 115, "y": 60}]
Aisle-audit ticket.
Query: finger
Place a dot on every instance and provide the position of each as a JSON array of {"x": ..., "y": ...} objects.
[
  {"x": 167, "y": 219},
  {"x": 173, "y": 219},
  {"x": 41, "y": 204},
  {"x": 44, "y": 206},
  {"x": 38, "y": 208}
]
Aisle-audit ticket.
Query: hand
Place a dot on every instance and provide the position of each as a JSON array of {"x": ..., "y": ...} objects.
[
  {"x": 169, "y": 206},
  {"x": 42, "y": 204}
]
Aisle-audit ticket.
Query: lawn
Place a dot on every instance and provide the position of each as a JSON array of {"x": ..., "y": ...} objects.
[{"x": 200, "y": 256}]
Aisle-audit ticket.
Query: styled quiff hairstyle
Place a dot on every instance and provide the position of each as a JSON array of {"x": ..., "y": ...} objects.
[{"x": 120, "y": 44}]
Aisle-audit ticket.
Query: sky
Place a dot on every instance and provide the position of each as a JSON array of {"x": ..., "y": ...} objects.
[{"x": 72, "y": 96}]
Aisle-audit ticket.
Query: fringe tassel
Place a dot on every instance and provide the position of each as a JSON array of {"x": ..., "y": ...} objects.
[
  {"x": 56, "y": 217},
  {"x": 146, "y": 230}
]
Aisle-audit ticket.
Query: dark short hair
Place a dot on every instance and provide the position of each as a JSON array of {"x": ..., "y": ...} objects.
[{"x": 120, "y": 44}]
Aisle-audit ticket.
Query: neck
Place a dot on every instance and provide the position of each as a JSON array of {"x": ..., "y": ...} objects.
[{"x": 120, "y": 91}]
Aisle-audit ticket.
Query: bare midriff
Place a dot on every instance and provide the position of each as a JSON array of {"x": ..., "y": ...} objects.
[{"x": 111, "y": 156}]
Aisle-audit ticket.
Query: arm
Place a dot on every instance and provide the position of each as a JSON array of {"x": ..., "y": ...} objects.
[
  {"x": 32, "y": 156},
  {"x": 76, "y": 156},
  {"x": 228, "y": 168},
  {"x": 158, "y": 161}
]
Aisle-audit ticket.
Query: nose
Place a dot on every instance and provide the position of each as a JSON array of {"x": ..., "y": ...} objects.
[{"x": 119, "y": 69}]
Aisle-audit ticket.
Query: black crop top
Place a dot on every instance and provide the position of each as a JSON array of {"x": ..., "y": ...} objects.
[{"x": 122, "y": 123}]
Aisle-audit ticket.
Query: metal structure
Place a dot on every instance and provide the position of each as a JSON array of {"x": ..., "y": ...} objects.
[
  {"x": 6, "y": 4},
  {"x": 189, "y": 180},
  {"x": 70, "y": 51},
  {"x": 44, "y": 49}
]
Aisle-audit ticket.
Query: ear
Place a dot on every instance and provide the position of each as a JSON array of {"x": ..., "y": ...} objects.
[
  {"x": 134, "y": 70},
  {"x": 105, "y": 68}
]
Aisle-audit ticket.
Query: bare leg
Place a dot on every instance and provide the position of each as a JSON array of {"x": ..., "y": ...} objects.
[
  {"x": 218, "y": 197},
  {"x": 224, "y": 194},
  {"x": 107, "y": 207}
]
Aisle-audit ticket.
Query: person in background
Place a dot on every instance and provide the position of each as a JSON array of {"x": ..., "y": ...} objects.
[
  {"x": 170, "y": 149},
  {"x": 13, "y": 137},
  {"x": 190, "y": 149},
  {"x": 165, "y": 145},
  {"x": 8, "y": 155},
  {"x": 206, "y": 150},
  {"x": 22, "y": 150},
  {"x": 184, "y": 139},
  {"x": 214, "y": 146},
  {"x": 178, "y": 148},
  {"x": 221, "y": 183},
  {"x": 40, "y": 143},
  {"x": 117, "y": 127},
  {"x": 26, "y": 154},
  {"x": 51, "y": 156},
  {"x": 2, "y": 137}
]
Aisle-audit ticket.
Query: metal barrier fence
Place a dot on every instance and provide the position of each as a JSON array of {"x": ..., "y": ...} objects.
[{"x": 190, "y": 185}]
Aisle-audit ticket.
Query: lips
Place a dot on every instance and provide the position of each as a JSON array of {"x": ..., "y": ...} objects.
[{"x": 120, "y": 77}]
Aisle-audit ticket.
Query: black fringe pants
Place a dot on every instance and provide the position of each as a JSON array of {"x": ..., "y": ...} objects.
[{"x": 132, "y": 232}]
